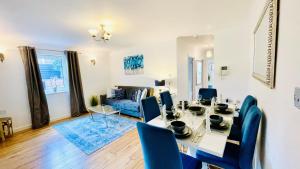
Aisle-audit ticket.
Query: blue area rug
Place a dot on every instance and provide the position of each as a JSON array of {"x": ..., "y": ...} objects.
[{"x": 90, "y": 135}]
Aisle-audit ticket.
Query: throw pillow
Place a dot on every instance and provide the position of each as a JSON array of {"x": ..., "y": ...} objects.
[
  {"x": 133, "y": 97},
  {"x": 138, "y": 96},
  {"x": 143, "y": 95},
  {"x": 110, "y": 92},
  {"x": 120, "y": 94}
]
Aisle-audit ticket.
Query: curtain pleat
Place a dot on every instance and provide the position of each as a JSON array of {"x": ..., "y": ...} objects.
[{"x": 36, "y": 94}]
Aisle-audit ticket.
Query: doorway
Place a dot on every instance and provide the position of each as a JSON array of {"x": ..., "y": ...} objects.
[{"x": 195, "y": 56}]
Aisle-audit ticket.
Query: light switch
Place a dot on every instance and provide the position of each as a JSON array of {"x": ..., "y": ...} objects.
[{"x": 297, "y": 97}]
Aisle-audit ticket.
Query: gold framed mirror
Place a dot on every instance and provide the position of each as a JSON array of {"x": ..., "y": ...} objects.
[{"x": 265, "y": 44}]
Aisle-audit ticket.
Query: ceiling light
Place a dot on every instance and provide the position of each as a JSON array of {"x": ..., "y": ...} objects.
[
  {"x": 209, "y": 54},
  {"x": 103, "y": 33},
  {"x": 93, "y": 32}
]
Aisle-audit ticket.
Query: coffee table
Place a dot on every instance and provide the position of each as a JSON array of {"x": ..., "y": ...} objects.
[{"x": 103, "y": 109}]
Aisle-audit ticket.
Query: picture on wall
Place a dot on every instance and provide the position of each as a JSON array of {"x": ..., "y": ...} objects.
[{"x": 134, "y": 64}]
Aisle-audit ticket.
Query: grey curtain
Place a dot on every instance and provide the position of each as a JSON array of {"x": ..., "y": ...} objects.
[
  {"x": 36, "y": 94},
  {"x": 76, "y": 93}
]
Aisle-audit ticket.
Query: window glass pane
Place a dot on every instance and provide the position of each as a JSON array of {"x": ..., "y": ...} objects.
[{"x": 52, "y": 68}]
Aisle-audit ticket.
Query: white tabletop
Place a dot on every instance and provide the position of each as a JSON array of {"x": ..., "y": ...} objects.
[{"x": 213, "y": 142}]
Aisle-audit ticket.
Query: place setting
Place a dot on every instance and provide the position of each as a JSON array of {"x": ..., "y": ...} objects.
[
  {"x": 180, "y": 129},
  {"x": 172, "y": 114},
  {"x": 197, "y": 110},
  {"x": 218, "y": 123},
  {"x": 223, "y": 108}
]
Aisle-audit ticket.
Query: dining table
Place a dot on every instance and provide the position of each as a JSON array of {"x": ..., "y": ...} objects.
[{"x": 202, "y": 137}]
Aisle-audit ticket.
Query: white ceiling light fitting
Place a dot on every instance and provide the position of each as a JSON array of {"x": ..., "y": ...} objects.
[{"x": 103, "y": 33}]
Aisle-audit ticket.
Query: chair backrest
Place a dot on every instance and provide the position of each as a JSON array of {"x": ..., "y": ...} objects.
[
  {"x": 207, "y": 93},
  {"x": 248, "y": 102},
  {"x": 159, "y": 147},
  {"x": 248, "y": 137},
  {"x": 150, "y": 108},
  {"x": 166, "y": 99}
]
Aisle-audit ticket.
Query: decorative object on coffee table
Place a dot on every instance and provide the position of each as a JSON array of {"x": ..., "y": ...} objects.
[{"x": 6, "y": 122}]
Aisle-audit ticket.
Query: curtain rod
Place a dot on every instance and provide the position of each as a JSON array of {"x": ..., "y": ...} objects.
[{"x": 53, "y": 50}]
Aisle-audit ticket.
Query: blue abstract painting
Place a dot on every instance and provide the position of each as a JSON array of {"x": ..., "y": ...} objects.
[{"x": 134, "y": 64}]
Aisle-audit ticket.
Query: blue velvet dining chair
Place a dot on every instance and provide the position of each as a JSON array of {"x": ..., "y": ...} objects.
[
  {"x": 238, "y": 156},
  {"x": 150, "y": 108},
  {"x": 160, "y": 149},
  {"x": 166, "y": 99},
  {"x": 207, "y": 93},
  {"x": 238, "y": 121}
]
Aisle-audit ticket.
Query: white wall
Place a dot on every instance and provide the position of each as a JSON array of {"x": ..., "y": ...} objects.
[
  {"x": 95, "y": 79},
  {"x": 13, "y": 91},
  {"x": 280, "y": 146},
  {"x": 159, "y": 63},
  {"x": 232, "y": 50}
]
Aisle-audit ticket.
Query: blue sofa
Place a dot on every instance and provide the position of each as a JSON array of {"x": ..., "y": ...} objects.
[{"x": 127, "y": 105}]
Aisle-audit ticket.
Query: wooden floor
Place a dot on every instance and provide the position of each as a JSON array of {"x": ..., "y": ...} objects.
[{"x": 46, "y": 149}]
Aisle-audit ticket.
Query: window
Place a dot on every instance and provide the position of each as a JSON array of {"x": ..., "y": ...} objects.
[{"x": 53, "y": 70}]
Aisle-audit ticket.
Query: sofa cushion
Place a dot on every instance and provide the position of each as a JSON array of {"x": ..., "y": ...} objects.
[
  {"x": 128, "y": 105},
  {"x": 123, "y": 104},
  {"x": 120, "y": 94},
  {"x": 131, "y": 90}
]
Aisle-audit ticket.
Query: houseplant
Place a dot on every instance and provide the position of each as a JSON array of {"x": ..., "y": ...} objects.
[{"x": 94, "y": 101}]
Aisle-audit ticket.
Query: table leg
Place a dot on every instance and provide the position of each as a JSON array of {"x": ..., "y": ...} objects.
[
  {"x": 106, "y": 120},
  {"x": 92, "y": 115}
]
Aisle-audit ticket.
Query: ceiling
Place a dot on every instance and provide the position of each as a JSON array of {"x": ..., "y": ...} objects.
[{"x": 65, "y": 22}]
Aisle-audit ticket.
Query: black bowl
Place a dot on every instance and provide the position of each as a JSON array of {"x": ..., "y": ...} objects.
[
  {"x": 205, "y": 102},
  {"x": 222, "y": 106},
  {"x": 198, "y": 110},
  {"x": 178, "y": 126},
  {"x": 194, "y": 108},
  {"x": 215, "y": 119}
]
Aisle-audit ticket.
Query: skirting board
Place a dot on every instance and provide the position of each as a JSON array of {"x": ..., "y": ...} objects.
[{"x": 28, "y": 127}]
